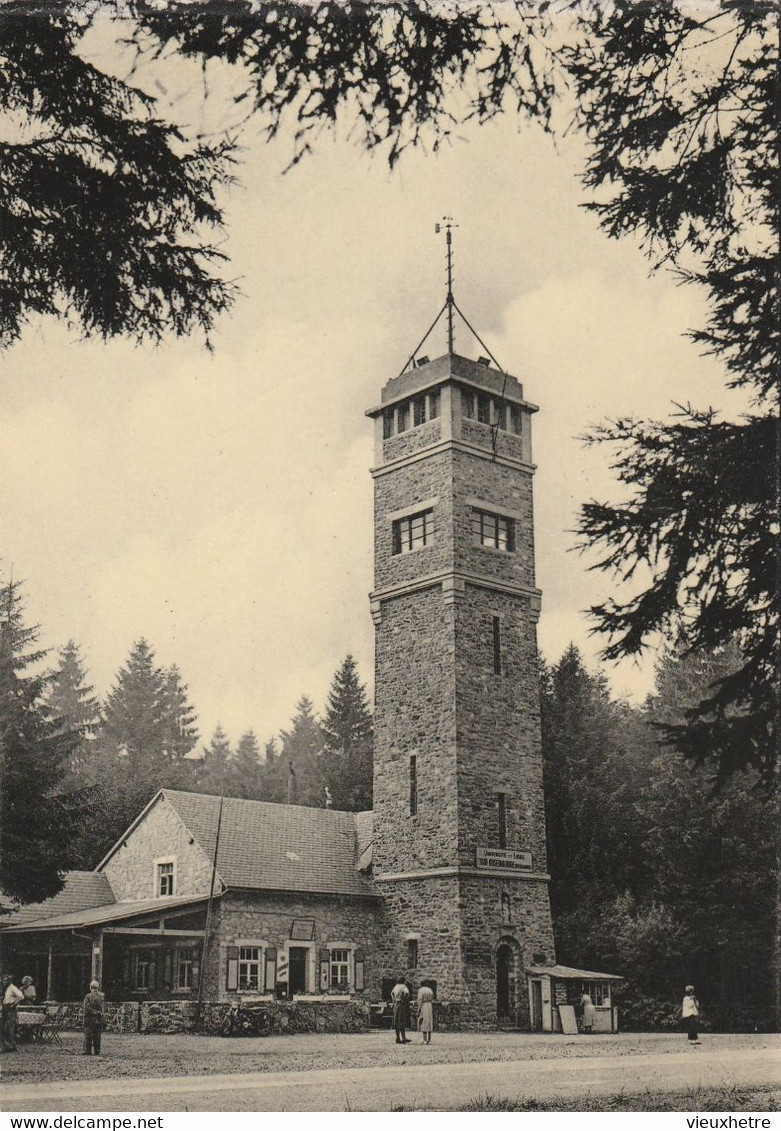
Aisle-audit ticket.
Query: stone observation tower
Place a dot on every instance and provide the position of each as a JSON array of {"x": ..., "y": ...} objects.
[{"x": 459, "y": 825}]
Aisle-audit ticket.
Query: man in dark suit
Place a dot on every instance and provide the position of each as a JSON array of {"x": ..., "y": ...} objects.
[{"x": 93, "y": 1019}]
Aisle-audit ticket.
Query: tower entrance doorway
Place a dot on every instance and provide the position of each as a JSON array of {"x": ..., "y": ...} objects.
[{"x": 507, "y": 983}]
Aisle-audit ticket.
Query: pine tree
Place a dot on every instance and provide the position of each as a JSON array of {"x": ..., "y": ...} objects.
[
  {"x": 213, "y": 775},
  {"x": 72, "y": 699},
  {"x": 301, "y": 758},
  {"x": 246, "y": 772},
  {"x": 37, "y": 817},
  {"x": 348, "y": 735}
]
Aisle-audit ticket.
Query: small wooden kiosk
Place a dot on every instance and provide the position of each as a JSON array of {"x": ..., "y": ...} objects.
[{"x": 553, "y": 986}]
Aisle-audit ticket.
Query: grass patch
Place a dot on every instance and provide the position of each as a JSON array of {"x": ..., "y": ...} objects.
[{"x": 733, "y": 1098}]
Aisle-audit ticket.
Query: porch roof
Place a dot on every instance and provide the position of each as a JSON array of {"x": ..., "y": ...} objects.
[
  {"x": 80, "y": 890},
  {"x": 101, "y": 916},
  {"x": 565, "y": 972}
]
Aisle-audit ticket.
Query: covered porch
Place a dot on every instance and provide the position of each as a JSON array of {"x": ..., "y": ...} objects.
[{"x": 140, "y": 951}]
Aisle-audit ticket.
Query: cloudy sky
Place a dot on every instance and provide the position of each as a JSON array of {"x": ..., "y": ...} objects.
[{"x": 220, "y": 504}]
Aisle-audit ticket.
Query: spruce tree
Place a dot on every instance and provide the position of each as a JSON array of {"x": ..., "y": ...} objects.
[
  {"x": 72, "y": 699},
  {"x": 301, "y": 758},
  {"x": 273, "y": 779},
  {"x": 37, "y": 816},
  {"x": 348, "y": 736},
  {"x": 246, "y": 771},
  {"x": 179, "y": 720},
  {"x": 213, "y": 775}
]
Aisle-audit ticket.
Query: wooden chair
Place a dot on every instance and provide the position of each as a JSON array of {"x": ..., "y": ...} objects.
[{"x": 49, "y": 1031}]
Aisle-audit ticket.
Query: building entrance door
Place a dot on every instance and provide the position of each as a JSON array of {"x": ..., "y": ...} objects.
[
  {"x": 298, "y": 957},
  {"x": 505, "y": 1006},
  {"x": 536, "y": 988}
]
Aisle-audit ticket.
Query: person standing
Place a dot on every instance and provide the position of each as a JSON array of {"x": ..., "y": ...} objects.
[
  {"x": 589, "y": 1013},
  {"x": 400, "y": 1000},
  {"x": 93, "y": 1019},
  {"x": 12, "y": 998},
  {"x": 690, "y": 1015},
  {"x": 29, "y": 991},
  {"x": 426, "y": 1013}
]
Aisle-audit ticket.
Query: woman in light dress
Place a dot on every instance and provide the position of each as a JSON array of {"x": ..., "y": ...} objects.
[
  {"x": 589, "y": 1013},
  {"x": 426, "y": 1013}
]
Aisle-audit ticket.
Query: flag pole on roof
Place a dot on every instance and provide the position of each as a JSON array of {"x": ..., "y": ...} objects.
[{"x": 205, "y": 947}]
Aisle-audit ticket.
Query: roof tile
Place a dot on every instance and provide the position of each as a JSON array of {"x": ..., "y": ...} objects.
[{"x": 264, "y": 845}]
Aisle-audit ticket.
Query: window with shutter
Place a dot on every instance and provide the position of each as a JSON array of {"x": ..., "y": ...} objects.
[
  {"x": 271, "y": 969},
  {"x": 360, "y": 971},
  {"x": 325, "y": 962},
  {"x": 232, "y": 973}
]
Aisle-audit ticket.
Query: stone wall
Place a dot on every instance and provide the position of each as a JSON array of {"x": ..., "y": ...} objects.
[
  {"x": 161, "y": 835},
  {"x": 415, "y": 713},
  {"x": 498, "y": 726},
  {"x": 316, "y": 1016},
  {"x": 406, "y": 487},
  {"x": 265, "y": 919},
  {"x": 412, "y": 439},
  {"x": 121, "y": 1016}
]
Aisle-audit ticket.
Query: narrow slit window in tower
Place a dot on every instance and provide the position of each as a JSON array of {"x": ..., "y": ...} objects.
[
  {"x": 501, "y": 806},
  {"x": 413, "y": 785},
  {"x": 497, "y": 630},
  {"x": 412, "y": 954}
]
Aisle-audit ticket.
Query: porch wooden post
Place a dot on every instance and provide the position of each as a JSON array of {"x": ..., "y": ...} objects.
[
  {"x": 50, "y": 972},
  {"x": 97, "y": 957}
]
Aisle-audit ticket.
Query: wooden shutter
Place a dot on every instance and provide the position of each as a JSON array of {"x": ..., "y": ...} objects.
[
  {"x": 271, "y": 968},
  {"x": 360, "y": 966},
  {"x": 325, "y": 969},
  {"x": 232, "y": 974}
]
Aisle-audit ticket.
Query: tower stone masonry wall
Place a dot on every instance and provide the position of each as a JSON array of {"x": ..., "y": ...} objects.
[
  {"x": 415, "y": 715},
  {"x": 474, "y": 730},
  {"x": 498, "y": 726}
]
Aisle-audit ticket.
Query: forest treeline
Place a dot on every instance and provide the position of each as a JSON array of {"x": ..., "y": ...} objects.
[{"x": 655, "y": 875}]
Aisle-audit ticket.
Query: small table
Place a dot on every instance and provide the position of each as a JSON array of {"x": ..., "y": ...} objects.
[{"x": 28, "y": 1024}]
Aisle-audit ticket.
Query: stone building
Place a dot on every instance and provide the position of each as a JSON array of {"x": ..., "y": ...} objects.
[{"x": 447, "y": 879}]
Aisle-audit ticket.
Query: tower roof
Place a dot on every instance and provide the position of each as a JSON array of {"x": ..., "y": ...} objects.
[{"x": 451, "y": 367}]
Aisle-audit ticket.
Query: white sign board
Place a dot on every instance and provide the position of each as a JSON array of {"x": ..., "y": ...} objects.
[{"x": 503, "y": 858}]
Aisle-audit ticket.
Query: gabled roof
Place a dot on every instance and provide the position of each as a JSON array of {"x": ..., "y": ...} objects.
[
  {"x": 81, "y": 890},
  {"x": 267, "y": 846},
  {"x": 99, "y": 916},
  {"x": 572, "y": 972}
]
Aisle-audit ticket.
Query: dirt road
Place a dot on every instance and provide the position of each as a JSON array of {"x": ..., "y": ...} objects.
[{"x": 439, "y": 1086}]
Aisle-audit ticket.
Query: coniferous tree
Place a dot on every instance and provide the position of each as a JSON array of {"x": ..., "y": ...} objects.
[
  {"x": 592, "y": 769},
  {"x": 348, "y": 741},
  {"x": 245, "y": 770},
  {"x": 214, "y": 774},
  {"x": 273, "y": 778},
  {"x": 180, "y": 727},
  {"x": 72, "y": 699},
  {"x": 146, "y": 727},
  {"x": 37, "y": 817},
  {"x": 301, "y": 758}
]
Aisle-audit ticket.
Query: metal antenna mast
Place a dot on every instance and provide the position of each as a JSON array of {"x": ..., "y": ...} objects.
[{"x": 448, "y": 225}]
